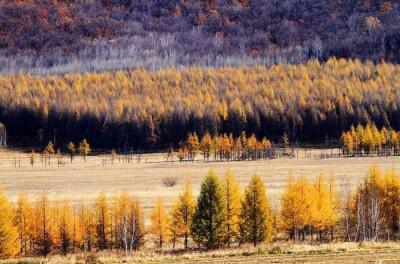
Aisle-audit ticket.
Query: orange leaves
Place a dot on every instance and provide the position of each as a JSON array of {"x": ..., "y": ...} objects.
[
  {"x": 306, "y": 206},
  {"x": 232, "y": 98},
  {"x": 386, "y": 6}
]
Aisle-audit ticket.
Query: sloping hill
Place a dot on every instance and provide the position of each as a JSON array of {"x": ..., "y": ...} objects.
[{"x": 80, "y": 35}]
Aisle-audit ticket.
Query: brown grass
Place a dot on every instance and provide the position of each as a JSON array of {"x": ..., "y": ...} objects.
[{"x": 287, "y": 253}]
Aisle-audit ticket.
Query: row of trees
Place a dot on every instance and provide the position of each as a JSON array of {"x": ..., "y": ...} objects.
[
  {"x": 222, "y": 216},
  {"x": 44, "y": 226},
  {"x": 128, "y": 110},
  {"x": 366, "y": 140},
  {"x": 49, "y": 151},
  {"x": 225, "y": 147},
  {"x": 372, "y": 213}
]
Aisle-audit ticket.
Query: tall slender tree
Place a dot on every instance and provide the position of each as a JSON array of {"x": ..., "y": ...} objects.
[
  {"x": 207, "y": 225},
  {"x": 9, "y": 244},
  {"x": 231, "y": 197},
  {"x": 102, "y": 215},
  {"x": 84, "y": 148},
  {"x": 24, "y": 220},
  {"x": 159, "y": 223},
  {"x": 256, "y": 217},
  {"x": 183, "y": 211}
]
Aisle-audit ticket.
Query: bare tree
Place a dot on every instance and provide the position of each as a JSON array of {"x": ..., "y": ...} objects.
[
  {"x": 3, "y": 135},
  {"x": 317, "y": 47}
]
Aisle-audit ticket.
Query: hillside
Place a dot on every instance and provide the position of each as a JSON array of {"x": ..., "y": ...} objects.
[{"x": 47, "y": 36}]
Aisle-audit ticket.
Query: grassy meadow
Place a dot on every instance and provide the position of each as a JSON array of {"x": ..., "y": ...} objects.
[{"x": 82, "y": 182}]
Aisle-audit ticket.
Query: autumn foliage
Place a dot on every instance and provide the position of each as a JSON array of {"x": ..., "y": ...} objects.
[
  {"x": 222, "y": 217},
  {"x": 130, "y": 109},
  {"x": 367, "y": 140}
]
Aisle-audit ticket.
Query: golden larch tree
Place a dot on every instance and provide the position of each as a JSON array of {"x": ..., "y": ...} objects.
[
  {"x": 182, "y": 212},
  {"x": 322, "y": 209},
  {"x": 296, "y": 204},
  {"x": 231, "y": 196},
  {"x": 24, "y": 220},
  {"x": 9, "y": 244},
  {"x": 84, "y": 148},
  {"x": 44, "y": 225},
  {"x": 102, "y": 214},
  {"x": 65, "y": 227},
  {"x": 256, "y": 224},
  {"x": 159, "y": 223}
]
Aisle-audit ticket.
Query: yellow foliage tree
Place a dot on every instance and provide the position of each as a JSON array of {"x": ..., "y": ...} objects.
[
  {"x": 182, "y": 213},
  {"x": 256, "y": 224},
  {"x": 102, "y": 215},
  {"x": 44, "y": 225},
  {"x": 296, "y": 204},
  {"x": 24, "y": 219},
  {"x": 391, "y": 203},
  {"x": 129, "y": 223},
  {"x": 159, "y": 223},
  {"x": 231, "y": 197},
  {"x": 65, "y": 228},
  {"x": 9, "y": 244},
  {"x": 322, "y": 210},
  {"x": 84, "y": 148},
  {"x": 206, "y": 145}
]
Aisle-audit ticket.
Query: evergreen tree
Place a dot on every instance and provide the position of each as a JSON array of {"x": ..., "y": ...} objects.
[
  {"x": 256, "y": 216},
  {"x": 207, "y": 224}
]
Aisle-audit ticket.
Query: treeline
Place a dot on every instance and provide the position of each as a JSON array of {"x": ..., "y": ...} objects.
[
  {"x": 65, "y": 35},
  {"x": 140, "y": 109},
  {"x": 223, "y": 216},
  {"x": 366, "y": 140},
  {"x": 224, "y": 147}
]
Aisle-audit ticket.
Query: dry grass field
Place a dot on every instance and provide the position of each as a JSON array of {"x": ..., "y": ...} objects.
[
  {"x": 279, "y": 252},
  {"x": 81, "y": 182}
]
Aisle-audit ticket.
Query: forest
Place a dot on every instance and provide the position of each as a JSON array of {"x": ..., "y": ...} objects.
[
  {"x": 139, "y": 109},
  {"x": 310, "y": 212},
  {"x": 54, "y": 37}
]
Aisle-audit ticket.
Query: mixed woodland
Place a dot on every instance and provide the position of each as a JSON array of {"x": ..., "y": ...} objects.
[{"x": 222, "y": 216}]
